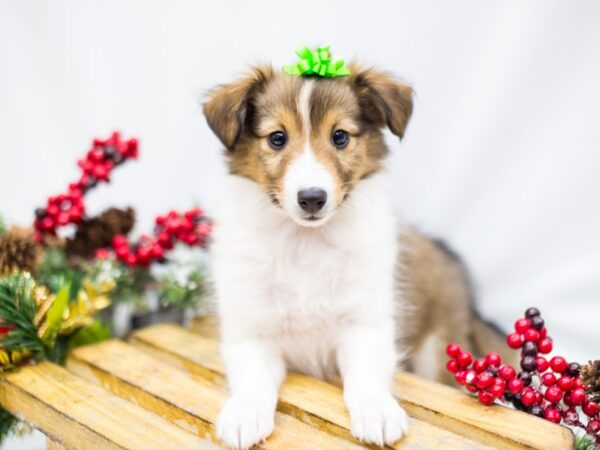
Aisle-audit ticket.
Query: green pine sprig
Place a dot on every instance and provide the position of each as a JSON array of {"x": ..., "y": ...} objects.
[
  {"x": 8, "y": 425},
  {"x": 586, "y": 442},
  {"x": 18, "y": 308}
]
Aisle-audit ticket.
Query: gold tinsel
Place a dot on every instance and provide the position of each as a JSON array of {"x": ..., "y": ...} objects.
[
  {"x": 79, "y": 312},
  {"x": 590, "y": 375},
  {"x": 19, "y": 251}
]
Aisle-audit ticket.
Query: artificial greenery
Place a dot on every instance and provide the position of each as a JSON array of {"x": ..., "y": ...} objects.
[
  {"x": 3, "y": 227},
  {"x": 586, "y": 442},
  {"x": 182, "y": 288},
  {"x": 8, "y": 426}
]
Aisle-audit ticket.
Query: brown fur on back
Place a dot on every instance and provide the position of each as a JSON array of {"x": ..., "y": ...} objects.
[{"x": 440, "y": 308}]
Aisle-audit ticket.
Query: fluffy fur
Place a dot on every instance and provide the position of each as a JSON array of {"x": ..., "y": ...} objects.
[{"x": 325, "y": 293}]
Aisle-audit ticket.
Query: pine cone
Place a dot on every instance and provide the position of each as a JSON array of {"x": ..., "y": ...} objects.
[
  {"x": 98, "y": 232},
  {"x": 590, "y": 375},
  {"x": 19, "y": 251}
]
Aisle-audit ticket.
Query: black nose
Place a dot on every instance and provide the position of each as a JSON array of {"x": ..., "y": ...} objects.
[{"x": 312, "y": 200}]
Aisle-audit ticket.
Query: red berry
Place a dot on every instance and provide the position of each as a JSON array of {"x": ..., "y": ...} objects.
[
  {"x": 514, "y": 340},
  {"x": 552, "y": 415},
  {"x": 63, "y": 218},
  {"x": 558, "y": 364},
  {"x": 464, "y": 359},
  {"x": 157, "y": 251},
  {"x": 545, "y": 345},
  {"x": 507, "y": 372},
  {"x": 484, "y": 380},
  {"x": 538, "y": 398},
  {"x": 497, "y": 390},
  {"x": 570, "y": 417},
  {"x": 591, "y": 408},
  {"x": 471, "y": 388},
  {"x": 593, "y": 427},
  {"x": 578, "y": 397},
  {"x": 543, "y": 333},
  {"x": 542, "y": 364},
  {"x": 470, "y": 377},
  {"x": 451, "y": 365},
  {"x": 565, "y": 383},
  {"x": 528, "y": 397},
  {"x": 522, "y": 325},
  {"x": 549, "y": 379},
  {"x": 131, "y": 260},
  {"x": 485, "y": 397},
  {"x": 120, "y": 241},
  {"x": 577, "y": 383},
  {"x": 532, "y": 335},
  {"x": 493, "y": 359},
  {"x": 479, "y": 365},
  {"x": 516, "y": 385},
  {"x": 102, "y": 253},
  {"x": 553, "y": 394},
  {"x": 460, "y": 376}
]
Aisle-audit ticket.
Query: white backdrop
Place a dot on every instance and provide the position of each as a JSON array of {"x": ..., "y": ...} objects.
[{"x": 501, "y": 158}]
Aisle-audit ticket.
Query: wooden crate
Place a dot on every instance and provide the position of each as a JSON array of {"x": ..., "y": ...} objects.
[{"x": 164, "y": 388}]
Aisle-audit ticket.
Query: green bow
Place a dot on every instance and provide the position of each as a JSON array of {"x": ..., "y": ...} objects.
[{"x": 317, "y": 62}]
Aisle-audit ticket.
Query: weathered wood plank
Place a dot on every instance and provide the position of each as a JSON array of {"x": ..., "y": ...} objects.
[
  {"x": 207, "y": 326},
  {"x": 54, "y": 445},
  {"x": 79, "y": 414},
  {"x": 436, "y": 404},
  {"x": 188, "y": 401},
  {"x": 310, "y": 400}
]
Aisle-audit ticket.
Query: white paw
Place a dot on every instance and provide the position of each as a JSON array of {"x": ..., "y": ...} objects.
[
  {"x": 377, "y": 420},
  {"x": 243, "y": 423}
]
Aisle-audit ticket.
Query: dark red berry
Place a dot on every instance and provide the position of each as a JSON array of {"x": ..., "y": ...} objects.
[
  {"x": 525, "y": 377},
  {"x": 544, "y": 345},
  {"x": 485, "y": 397},
  {"x": 452, "y": 366},
  {"x": 542, "y": 364},
  {"x": 573, "y": 369},
  {"x": 570, "y": 417},
  {"x": 565, "y": 383},
  {"x": 558, "y": 364},
  {"x": 549, "y": 379},
  {"x": 593, "y": 427},
  {"x": 464, "y": 359},
  {"x": 591, "y": 408},
  {"x": 514, "y": 340},
  {"x": 529, "y": 363},
  {"x": 552, "y": 415},
  {"x": 532, "y": 312},
  {"x": 522, "y": 325},
  {"x": 493, "y": 359},
  {"x": 537, "y": 322},
  {"x": 453, "y": 350},
  {"x": 553, "y": 394},
  {"x": 530, "y": 349}
]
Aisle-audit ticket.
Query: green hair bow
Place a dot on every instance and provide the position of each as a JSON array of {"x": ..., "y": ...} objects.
[{"x": 318, "y": 63}]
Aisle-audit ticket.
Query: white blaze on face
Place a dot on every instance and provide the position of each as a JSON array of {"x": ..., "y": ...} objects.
[{"x": 306, "y": 172}]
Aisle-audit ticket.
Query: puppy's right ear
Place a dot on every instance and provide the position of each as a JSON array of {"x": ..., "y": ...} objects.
[{"x": 227, "y": 105}]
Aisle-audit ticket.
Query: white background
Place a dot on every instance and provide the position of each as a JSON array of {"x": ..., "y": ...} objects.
[{"x": 502, "y": 156}]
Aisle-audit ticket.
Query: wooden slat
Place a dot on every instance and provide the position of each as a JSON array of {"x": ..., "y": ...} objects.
[
  {"x": 436, "y": 404},
  {"x": 80, "y": 415},
  {"x": 207, "y": 326},
  {"x": 188, "y": 401},
  {"x": 54, "y": 445},
  {"x": 310, "y": 400}
]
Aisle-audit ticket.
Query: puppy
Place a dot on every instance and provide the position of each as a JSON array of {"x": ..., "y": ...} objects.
[{"x": 312, "y": 273}]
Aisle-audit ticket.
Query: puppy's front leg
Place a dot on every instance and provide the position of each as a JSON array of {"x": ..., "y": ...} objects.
[
  {"x": 255, "y": 370},
  {"x": 367, "y": 360}
]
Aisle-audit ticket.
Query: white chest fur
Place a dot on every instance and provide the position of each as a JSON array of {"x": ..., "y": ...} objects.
[{"x": 297, "y": 286}]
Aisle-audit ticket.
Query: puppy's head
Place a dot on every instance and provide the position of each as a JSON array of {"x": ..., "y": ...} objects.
[{"x": 307, "y": 141}]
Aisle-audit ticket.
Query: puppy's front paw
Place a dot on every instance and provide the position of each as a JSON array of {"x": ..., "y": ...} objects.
[
  {"x": 243, "y": 423},
  {"x": 377, "y": 420}
]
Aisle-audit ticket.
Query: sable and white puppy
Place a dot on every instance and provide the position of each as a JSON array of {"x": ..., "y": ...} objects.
[{"x": 306, "y": 252}]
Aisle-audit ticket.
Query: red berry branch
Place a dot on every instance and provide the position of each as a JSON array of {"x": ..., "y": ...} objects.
[
  {"x": 551, "y": 389},
  {"x": 103, "y": 156},
  {"x": 191, "y": 227}
]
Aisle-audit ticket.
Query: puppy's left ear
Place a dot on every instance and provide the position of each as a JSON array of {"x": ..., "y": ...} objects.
[
  {"x": 227, "y": 105},
  {"x": 383, "y": 100}
]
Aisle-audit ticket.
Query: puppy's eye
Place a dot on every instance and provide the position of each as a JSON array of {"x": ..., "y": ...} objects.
[
  {"x": 340, "y": 139},
  {"x": 277, "y": 140}
]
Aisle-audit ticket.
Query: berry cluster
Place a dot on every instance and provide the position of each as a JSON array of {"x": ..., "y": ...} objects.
[
  {"x": 551, "y": 389},
  {"x": 96, "y": 167},
  {"x": 191, "y": 228}
]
